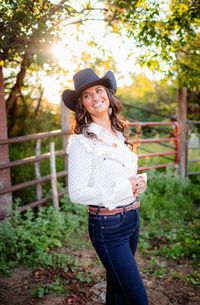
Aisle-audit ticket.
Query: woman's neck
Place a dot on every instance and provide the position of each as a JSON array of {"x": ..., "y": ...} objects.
[{"x": 105, "y": 124}]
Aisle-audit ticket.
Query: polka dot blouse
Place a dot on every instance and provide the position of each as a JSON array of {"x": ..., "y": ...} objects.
[{"x": 98, "y": 169}]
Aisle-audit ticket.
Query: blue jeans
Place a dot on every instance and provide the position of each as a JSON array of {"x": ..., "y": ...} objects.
[{"x": 115, "y": 239}]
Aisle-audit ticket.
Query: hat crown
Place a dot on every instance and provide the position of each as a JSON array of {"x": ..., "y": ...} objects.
[{"x": 84, "y": 77}]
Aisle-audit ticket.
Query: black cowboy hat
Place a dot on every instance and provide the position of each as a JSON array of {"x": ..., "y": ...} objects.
[{"x": 83, "y": 80}]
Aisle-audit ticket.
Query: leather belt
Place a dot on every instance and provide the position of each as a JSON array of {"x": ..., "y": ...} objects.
[{"x": 104, "y": 211}]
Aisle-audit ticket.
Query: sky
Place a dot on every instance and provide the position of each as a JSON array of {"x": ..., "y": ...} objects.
[{"x": 69, "y": 49}]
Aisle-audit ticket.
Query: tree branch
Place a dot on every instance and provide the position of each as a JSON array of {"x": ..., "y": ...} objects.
[{"x": 83, "y": 20}]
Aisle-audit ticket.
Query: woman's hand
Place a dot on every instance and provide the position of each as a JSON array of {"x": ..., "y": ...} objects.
[
  {"x": 141, "y": 184},
  {"x": 138, "y": 184},
  {"x": 133, "y": 182}
]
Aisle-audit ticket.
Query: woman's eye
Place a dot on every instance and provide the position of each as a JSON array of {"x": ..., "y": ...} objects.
[
  {"x": 85, "y": 96},
  {"x": 99, "y": 90}
]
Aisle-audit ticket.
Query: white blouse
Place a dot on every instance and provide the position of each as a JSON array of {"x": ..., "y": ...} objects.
[{"x": 98, "y": 169}]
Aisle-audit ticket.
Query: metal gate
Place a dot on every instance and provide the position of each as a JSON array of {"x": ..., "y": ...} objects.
[{"x": 193, "y": 148}]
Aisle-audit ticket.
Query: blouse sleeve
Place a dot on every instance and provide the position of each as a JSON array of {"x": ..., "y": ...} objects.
[{"x": 79, "y": 174}]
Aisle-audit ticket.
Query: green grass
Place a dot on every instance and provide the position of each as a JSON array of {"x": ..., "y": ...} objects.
[{"x": 155, "y": 148}]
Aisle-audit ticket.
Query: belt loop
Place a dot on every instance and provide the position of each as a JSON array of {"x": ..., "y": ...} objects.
[
  {"x": 124, "y": 210},
  {"x": 97, "y": 212}
]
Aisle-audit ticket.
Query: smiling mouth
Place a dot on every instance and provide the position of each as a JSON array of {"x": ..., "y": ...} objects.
[{"x": 97, "y": 104}]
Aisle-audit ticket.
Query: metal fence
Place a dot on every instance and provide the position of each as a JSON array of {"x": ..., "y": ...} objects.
[
  {"x": 172, "y": 139},
  {"x": 38, "y": 157},
  {"x": 193, "y": 148}
]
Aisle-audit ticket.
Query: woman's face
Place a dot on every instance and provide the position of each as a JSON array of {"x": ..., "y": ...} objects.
[{"x": 95, "y": 100}]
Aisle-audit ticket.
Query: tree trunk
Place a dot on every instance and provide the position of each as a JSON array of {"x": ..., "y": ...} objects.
[
  {"x": 12, "y": 100},
  {"x": 5, "y": 180},
  {"x": 39, "y": 102}
]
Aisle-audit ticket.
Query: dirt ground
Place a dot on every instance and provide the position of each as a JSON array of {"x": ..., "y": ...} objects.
[{"x": 166, "y": 290}]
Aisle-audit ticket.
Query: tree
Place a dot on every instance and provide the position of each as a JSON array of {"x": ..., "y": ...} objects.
[
  {"x": 28, "y": 31},
  {"x": 169, "y": 31},
  {"x": 28, "y": 28}
]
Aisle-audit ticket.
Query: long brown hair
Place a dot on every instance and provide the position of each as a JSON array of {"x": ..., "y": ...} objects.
[{"x": 80, "y": 124}]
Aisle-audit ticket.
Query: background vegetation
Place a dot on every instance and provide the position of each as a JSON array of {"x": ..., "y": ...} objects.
[{"x": 169, "y": 228}]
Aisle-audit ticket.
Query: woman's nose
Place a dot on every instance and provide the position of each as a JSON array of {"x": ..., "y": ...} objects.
[{"x": 95, "y": 96}]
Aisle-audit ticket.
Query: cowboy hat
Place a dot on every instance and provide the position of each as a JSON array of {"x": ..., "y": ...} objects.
[{"x": 84, "y": 79}]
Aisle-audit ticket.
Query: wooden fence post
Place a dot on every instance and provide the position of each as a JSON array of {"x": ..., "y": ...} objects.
[
  {"x": 65, "y": 125},
  {"x": 182, "y": 121},
  {"x": 53, "y": 176},
  {"x": 37, "y": 170},
  {"x": 5, "y": 179}
]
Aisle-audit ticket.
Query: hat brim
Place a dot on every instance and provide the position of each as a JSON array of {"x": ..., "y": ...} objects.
[{"x": 70, "y": 97}]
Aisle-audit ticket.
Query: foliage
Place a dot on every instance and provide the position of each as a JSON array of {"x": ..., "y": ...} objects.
[
  {"x": 55, "y": 287},
  {"x": 151, "y": 100},
  {"x": 169, "y": 31},
  {"x": 34, "y": 238},
  {"x": 170, "y": 217},
  {"x": 169, "y": 228},
  {"x": 30, "y": 27}
]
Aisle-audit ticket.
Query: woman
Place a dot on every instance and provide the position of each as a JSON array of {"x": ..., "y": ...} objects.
[{"x": 102, "y": 174}]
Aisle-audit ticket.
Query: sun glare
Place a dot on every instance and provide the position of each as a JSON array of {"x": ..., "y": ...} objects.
[
  {"x": 61, "y": 52},
  {"x": 51, "y": 89}
]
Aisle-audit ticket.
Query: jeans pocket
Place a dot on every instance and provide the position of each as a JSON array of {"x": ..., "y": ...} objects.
[{"x": 111, "y": 222}]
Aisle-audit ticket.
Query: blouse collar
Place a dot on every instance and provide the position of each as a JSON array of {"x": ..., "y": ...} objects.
[{"x": 97, "y": 129}]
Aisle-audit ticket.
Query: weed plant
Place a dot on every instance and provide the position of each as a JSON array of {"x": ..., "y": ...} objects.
[{"x": 34, "y": 238}]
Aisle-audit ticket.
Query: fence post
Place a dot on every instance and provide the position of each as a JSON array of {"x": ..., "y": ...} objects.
[
  {"x": 138, "y": 135},
  {"x": 5, "y": 179},
  {"x": 53, "y": 176},
  {"x": 187, "y": 149},
  {"x": 65, "y": 125},
  {"x": 37, "y": 170},
  {"x": 182, "y": 121}
]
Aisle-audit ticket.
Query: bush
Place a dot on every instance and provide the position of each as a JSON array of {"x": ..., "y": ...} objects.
[
  {"x": 169, "y": 217},
  {"x": 34, "y": 237}
]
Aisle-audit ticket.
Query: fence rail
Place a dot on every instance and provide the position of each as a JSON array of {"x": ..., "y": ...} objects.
[
  {"x": 173, "y": 139},
  {"x": 39, "y": 180},
  {"x": 36, "y": 161}
]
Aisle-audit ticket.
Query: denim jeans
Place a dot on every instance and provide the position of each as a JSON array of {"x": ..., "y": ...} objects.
[{"x": 115, "y": 239}]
